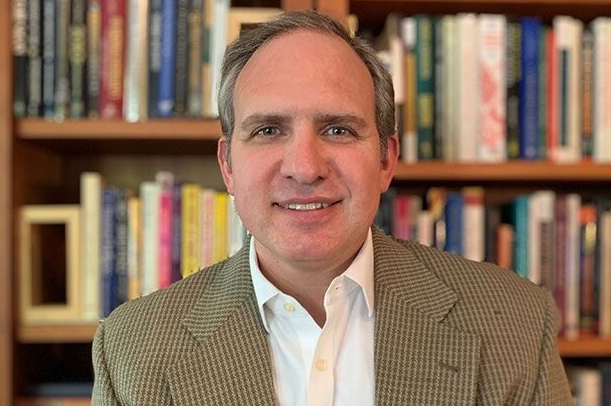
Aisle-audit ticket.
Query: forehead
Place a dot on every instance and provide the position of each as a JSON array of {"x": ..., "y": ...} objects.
[{"x": 305, "y": 69}]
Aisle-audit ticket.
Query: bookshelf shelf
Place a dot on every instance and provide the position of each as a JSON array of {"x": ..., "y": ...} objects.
[
  {"x": 53, "y": 333},
  {"x": 166, "y": 129},
  {"x": 591, "y": 347},
  {"x": 508, "y": 172}
]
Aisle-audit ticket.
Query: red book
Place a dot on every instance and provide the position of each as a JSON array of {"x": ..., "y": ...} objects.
[{"x": 111, "y": 59}]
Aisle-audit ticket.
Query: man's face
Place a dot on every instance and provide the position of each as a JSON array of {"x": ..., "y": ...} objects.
[{"x": 305, "y": 165}]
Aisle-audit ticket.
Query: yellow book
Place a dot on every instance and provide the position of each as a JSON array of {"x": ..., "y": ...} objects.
[
  {"x": 220, "y": 227},
  {"x": 134, "y": 241},
  {"x": 190, "y": 230}
]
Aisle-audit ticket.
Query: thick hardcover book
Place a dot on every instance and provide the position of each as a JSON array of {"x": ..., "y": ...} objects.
[
  {"x": 544, "y": 33},
  {"x": 19, "y": 10},
  {"x": 149, "y": 195},
  {"x": 167, "y": 77},
  {"x": 121, "y": 254},
  {"x": 154, "y": 55},
  {"x": 454, "y": 223},
  {"x": 176, "y": 220},
  {"x": 514, "y": 41},
  {"x": 182, "y": 58},
  {"x": 135, "y": 86},
  {"x": 77, "y": 53},
  {"x": 425, "y": 105},
  {"x": 94, "y": 32},
  {"x": 108, "y": 250},
  {"x": 91, "y": 204},
  {"x": 48, "y": 58},
  {"x": 528, "y": 89},
  {"x": 196, "y": 32},
  {"x": 492, "y": 86},
  {"x": 111, "y": 60},
  {"x": 586, "y": 95},
  {"x": 468, "y": 89},
  {"x": 62, "y": 67},
  {"x": 34, "y": 58},
  {"x": 588, "y": 321}
]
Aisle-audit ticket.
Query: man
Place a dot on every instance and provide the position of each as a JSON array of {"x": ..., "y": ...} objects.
[{"x": 318, "y": 308}]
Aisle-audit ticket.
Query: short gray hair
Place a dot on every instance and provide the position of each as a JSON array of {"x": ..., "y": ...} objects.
[{"x": 243, "y": 48}]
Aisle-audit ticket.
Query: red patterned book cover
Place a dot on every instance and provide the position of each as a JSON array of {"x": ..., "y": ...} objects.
[{"x": 111, "y": 61}]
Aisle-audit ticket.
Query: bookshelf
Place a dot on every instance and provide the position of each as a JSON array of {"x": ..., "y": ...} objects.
[{"x": 56, "y": 146}]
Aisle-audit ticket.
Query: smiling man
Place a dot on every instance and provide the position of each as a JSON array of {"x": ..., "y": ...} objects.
[{"x": 319, "y": 308}]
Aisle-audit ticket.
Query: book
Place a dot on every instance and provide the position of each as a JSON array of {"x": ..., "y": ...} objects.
[
  {"x": 588, "y": 299},
  {"x": 601, "y": 103},
  {"x": 195, "y": 55},
  {"x": 454, "y": 208},
  {"x": 91, "y": 204},
  {"x": 207, "y": 233},
  {"x": 134, "y": 246},
  {"x": 165, "y": 103},
  {"x": 514, "y": 74},
  {"x": 19, "y": 11},
  {"x": 121, "y": 254},
  {"x": 586, "y": 385},
  {"x": 62, "y": 74},
  {"x": 34, "y": 78},
  {"x": 108, "y": 250},
  {"x": 605, "y": 274},
  {"x": 520, "y": 220},
  {"x": 450, "y": 77},
  {"x": 409, "y": 140},
  {"x": 48, "y": 58},
  {"x": 504, "y": 245},
  {"x": 219, "y": 244},
  {"x": 94, "y": 46},
  {"x": 165, "y": 182},
  {"x": 218, "y": 43},
  {"x": 175, "y": 232},
  {"x": 154, "y": 55},
  {"x": 468, "y": 89},
  {"x": 587, "y": 55},
  {"x": 572, "y": 298},
  {"x": 528, "y": 89},
  {"x": 135, "y": 86},
  {"x": 182, "y": 58},
  {"x": 77, "y": 56},
  {"x": 544, "y": 54},
  {"x": 473, "y": 229},
  {"x": 425, "y": 107},
  {"x": 111, "y": 59},
  {"x": 191, "y": 228},
  {"x": 149, "y": 195}
]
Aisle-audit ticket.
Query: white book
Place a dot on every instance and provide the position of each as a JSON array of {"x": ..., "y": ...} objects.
[
  {"x": 534, "y": 238},
  {"x": 468, "y": 89},
  {"x": 236, "y": 229},
  {"x": 135, "y": 90},
  {"x": 91, "y": 204},
  {"x": 425, "y": 228},
  {"x": 571, "y": 309},
  {"x": 409, "y": 138},
  {"x": 586, "y": 385},
  {"x": 568, "y": 47},
  {"x": 547, "y": 213},
  {"x": 605, "y": 275},
  {"x": 149, "y": 195},
  {"x": 473, "y": 223},
  {"x": 217, "y": 47},
  {"x": 601, "y": 90},
  {"x": 451, "y": 78},
  {"x": 492, "y": 33},
  {"x": 397, "y": 58}
]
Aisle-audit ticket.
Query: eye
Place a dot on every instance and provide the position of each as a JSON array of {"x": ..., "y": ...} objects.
[
  {"x": 337, "y": 131},
  {"x": 267, "y": 131}
]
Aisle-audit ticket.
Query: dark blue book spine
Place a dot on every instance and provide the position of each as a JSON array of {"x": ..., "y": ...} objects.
[
  {"x": 175, "y": 233},
  {"x": 165, "y": 105},
  {"x": 453, "y": 215},
  {"x": 48, "y": 58},
  {"x": 121, "y": 247},
  {"x": 529, "y": 89},
  {"x": 109, "y": 277},
  {"x": 154, "y": 55},
  {"x": 520, "y": 222}
]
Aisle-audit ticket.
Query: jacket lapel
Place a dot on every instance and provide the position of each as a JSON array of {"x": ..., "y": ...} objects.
[
  {"x": 418, "y": 360},
  {"x": 231, "y": 365}
]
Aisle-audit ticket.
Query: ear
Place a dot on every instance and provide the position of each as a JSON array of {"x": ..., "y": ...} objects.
[
  {"x": 389, "y": 162},
  {"x": 224, "y": 164}
]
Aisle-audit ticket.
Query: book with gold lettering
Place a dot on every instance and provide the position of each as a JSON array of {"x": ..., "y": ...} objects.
[{"x": 111, "y": 59}]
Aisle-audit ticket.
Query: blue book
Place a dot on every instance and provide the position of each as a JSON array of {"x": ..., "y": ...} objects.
[
  {"x": 120, "y": 259},
  {"x": 108, "y": 250},
  {"x": 453, "y": 215},
  {"x": 165, "y": 104},
  {"x": 175, "y": 233},
  {"x": 48, "y": 58},
  {"x": 520, "y": 223},
  {"x": 529, "y": 89}
]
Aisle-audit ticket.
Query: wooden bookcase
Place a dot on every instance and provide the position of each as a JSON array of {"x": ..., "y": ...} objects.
[{"x": 39, "y": 160}]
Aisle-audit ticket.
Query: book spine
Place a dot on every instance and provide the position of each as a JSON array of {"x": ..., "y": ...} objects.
[
  {"x": 91, "y": 201},
  {"x": 111, "y": 60},
  {"x": 206, "y": 73},
  {"x": 425, "y": 228},
  {"x": 19, "y": 10},
  {"x": 165, "y": 180},
  {"x": 588, "y": 300},
  {"x": 559, "y": 291},
  {"x": 400, "y": 223},
  {"x": 78, "y": 57},
  {"x": 165, "y": 105},
  {"x": 218, "y": 42},
  {"x": 175, "y": 233},
  {"x": 547, "y": 232},
  {"x": 454, "y": 223},
  {"x": 62, "y": 73},
  {"x": 236, "y": 231},
  {"x": 440, "y": 86},
  {"x": 528, "y": 89},
  {"x": 149, "y": 193},
  {"x": 196, "y": 27},
  {"x": 605, "y": 275},
  {"x": 514, "y": 41},
  {"x": 134, "y": 245},
  {"x": 473, "y": 223},
  {"x": 182, "y": 55},
  {"x": 505, "y": 245},
  {"x": 121, "y": 247},
  {"x": 207, "y": 229},
  {"x": 552, "y": 95},
  {"x": 108, "y": 245},
  {"x": 409, "y": 142},
  {"x": 135, "y": 85},
  {"x": 48, "y": 58},
  {"x": 586, "y": 103},
  {"x": 534, "y": 238},
  {"x": 450, "y": 93},
  {"x": 544, "y": 32},
  {"x": 493, "y": 125},
  {"x": 94, "y": 31},
  {"x": 468, "y": 89},
  {"x": 520, "y": 214},
  {"x": 34, "y": 59},
  {"x": 154, "y": 55},
  {"x": 220, "y": 227},
  {"x": 190, "y": 226},
  {"x": 492, "y": 221},
  {"x": 601, "y": 90},
  {"x": 572, "y": 244},
  {"x": 424, "y": 86}
]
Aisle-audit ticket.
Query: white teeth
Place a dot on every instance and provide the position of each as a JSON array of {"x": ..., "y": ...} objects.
[{"x": 305, "y": 206}]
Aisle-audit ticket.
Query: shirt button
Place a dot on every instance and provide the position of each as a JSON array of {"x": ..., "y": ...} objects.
[
  {"x": 289, "y": 307},
  {"x": 321, "y": 365}
]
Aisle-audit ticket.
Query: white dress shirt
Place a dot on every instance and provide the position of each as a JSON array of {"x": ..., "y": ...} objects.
[{"x": 332, "y": 366}]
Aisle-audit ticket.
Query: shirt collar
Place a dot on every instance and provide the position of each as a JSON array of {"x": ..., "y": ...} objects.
[{"x": 359, "y": 271}]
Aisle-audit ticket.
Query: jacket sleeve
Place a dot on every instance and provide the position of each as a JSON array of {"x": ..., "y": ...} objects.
[
  {"x": 103, "y": 390},
  {"x": 552, "y": 387}
]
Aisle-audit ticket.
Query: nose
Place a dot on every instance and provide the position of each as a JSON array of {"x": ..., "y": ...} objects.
[{"x": 304, "y": 159}]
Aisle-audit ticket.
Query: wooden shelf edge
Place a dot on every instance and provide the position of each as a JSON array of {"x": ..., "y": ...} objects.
[
  {"x": 512, "y": 171},
  {"x": 586, "y": 347},
  {"x": 86, "y": 129},
  {"x": 504, "y": 2},
  {"x": 56, "y": 333}
]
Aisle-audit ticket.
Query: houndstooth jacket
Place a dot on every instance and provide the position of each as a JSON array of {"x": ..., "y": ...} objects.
[{"x": 447, "y": 332}]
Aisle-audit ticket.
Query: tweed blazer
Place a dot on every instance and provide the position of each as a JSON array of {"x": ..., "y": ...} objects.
[{"x": 448, "y": 331}]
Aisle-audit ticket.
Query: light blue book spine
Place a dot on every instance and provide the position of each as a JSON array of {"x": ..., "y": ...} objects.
[{"x": 167, "y": 77}]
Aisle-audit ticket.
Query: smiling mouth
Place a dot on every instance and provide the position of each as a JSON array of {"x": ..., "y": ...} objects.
[{"x": 306, "y": 206}]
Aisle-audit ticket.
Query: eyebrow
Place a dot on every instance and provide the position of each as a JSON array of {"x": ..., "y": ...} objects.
[{"x": 259, "y": 119}]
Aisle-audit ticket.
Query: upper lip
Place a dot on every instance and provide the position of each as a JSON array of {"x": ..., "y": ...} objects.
[{"x": 306, "y": 200}]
